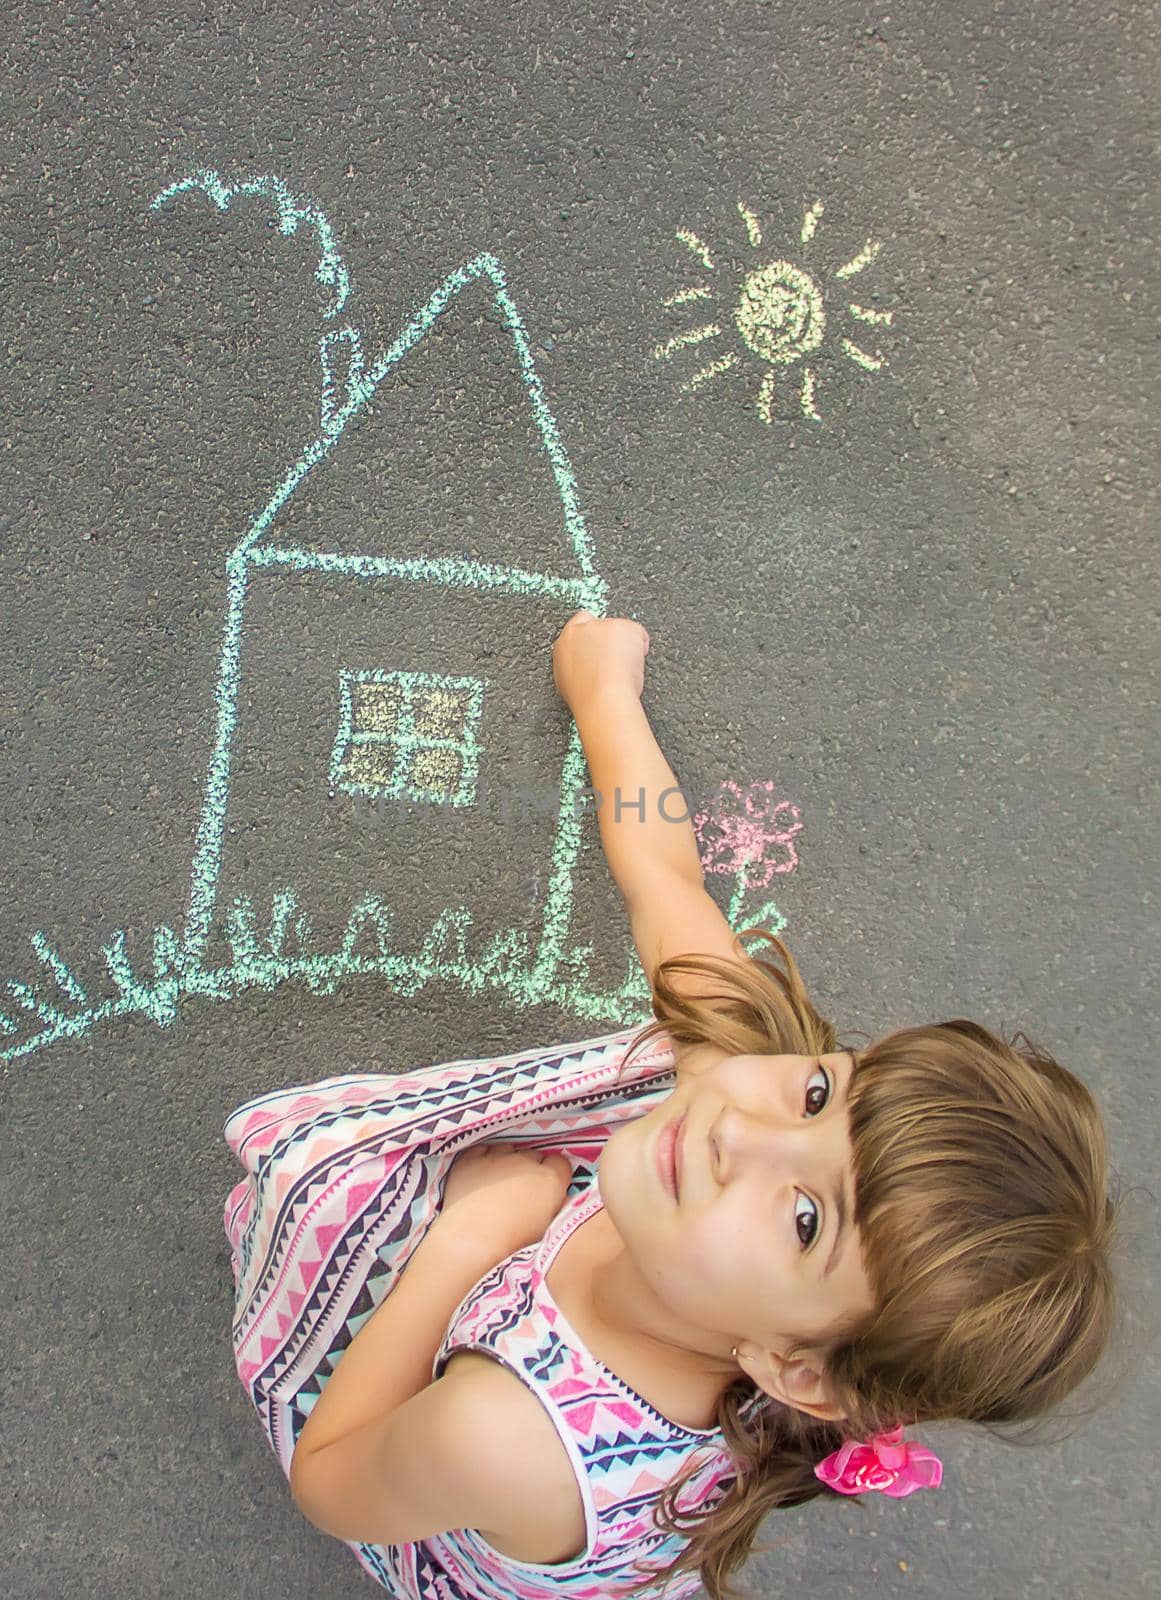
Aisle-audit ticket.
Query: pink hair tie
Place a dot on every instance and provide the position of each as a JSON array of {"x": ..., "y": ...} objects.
[{"x": 885, "y": 1463}]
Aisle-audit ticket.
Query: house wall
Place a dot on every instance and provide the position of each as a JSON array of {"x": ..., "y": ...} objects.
[{"x": 285, "y": 826}]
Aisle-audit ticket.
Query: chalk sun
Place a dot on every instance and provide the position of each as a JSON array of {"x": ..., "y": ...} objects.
[{"x": 778, "y": 313}]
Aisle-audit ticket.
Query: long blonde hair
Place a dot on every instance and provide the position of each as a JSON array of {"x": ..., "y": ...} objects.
[{"x": 982, "y": 1202}]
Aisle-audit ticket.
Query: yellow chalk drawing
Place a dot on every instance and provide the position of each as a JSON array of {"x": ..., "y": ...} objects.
[
  {"x": 400, "y": 734},
  {"x": 695, "y": 244},
  {"x": 753, "y": 226},
  {"x": 809, "y": 223},
  {"x": 694, "y": 336},
  {"x": 779, "y": 313},
  {"x": 408, "y": 733}
]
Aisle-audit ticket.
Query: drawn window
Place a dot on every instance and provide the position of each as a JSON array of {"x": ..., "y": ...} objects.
[{"x": 408, "y": 735}]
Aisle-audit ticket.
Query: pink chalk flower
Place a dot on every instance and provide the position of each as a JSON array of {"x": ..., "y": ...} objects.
[
  {"x": 756, "y": 838},
  {"x": 885, "y": 1463}
]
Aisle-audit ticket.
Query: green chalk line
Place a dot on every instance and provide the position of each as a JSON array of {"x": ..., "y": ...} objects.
[
  {"x": 554, "y": 972},
  {"x": 330, "y": 268},
  {"x": 503, "y": 967}
]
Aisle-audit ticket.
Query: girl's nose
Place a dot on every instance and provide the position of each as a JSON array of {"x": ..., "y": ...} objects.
[{"x": 741, "y": 1139}]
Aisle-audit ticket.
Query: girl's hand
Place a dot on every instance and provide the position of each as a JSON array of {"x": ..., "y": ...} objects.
[
  {"x": 592, "y": 654},
  {"x": 499, "y": 1197}
]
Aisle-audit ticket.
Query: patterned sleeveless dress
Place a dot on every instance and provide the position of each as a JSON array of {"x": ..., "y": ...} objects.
[{"x": 343, "y": 1178}]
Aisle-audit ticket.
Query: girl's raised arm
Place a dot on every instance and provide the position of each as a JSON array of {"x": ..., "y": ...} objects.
[{"x": 646, "y": 832}]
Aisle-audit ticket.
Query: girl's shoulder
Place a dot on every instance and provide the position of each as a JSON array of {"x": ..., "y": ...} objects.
[{"x": 547, "y": 1525}]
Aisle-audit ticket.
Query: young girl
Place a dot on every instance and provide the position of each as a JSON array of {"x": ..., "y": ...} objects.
[{"x": 575, "y": 1320}]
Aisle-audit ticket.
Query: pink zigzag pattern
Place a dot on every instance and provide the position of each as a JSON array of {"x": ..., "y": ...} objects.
[{"x": 342, "y": 1178}]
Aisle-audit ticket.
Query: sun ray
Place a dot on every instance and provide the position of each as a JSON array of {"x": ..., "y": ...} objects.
[
  {"x": 683, "y": 295},
  {"x": 861, "y": 358},
  {"x": 864, "y": 258},
  {"x": 766, "y": 397},
  {"x": 711, "y": 371},
  {"x": 884, "y": 317},
  {"x": 810, "y": 221},
  {"x": 808, "y": 410},
  {"x": 695, "y": 244},
  {"x": 694, "y": 336},
  {"x": 753, "y": 227}
]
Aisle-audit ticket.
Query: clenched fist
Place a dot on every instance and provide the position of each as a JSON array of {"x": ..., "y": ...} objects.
[{"x": 592, "y": 654}]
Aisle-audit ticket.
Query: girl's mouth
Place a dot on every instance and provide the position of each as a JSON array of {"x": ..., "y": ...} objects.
[{"x": 667, "y": 1155}]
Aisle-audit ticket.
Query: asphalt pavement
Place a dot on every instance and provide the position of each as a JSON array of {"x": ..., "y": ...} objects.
[{"x": 347, "y": 350}]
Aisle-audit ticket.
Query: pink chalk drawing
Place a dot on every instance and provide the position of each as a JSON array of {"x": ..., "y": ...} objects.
[{"x": 748, "y": 834}]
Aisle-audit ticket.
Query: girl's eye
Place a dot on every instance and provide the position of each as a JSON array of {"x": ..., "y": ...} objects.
[
  {"x": 814, "y": 1109},
  {"x": 808, "y": 1238}
]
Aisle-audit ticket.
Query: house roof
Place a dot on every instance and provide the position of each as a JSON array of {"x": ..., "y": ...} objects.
[{"x": 348, "y": 385}]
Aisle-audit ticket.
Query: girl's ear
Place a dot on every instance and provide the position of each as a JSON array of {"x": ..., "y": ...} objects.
[{"x": 801, "y": 1384}]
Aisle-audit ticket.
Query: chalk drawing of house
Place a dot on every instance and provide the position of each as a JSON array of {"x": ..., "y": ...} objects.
[
  {"x": 385, "y": 732},
  {"x": 396, "y": 737}
]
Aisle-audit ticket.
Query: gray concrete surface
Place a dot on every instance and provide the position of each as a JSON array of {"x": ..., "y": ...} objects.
[{"x": 928, "y": 618}]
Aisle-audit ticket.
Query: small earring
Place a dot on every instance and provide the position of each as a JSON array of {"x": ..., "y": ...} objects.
[{"x": 734, "y": 1352}]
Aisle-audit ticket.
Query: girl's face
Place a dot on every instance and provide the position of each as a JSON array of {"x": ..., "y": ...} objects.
[{"x": 759, "y": 1242}]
